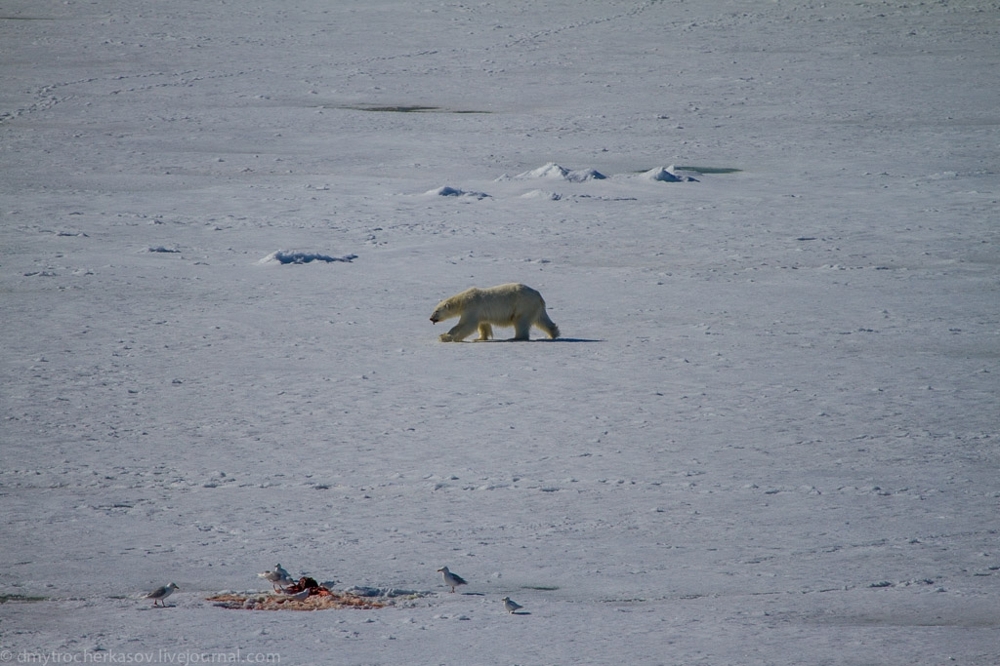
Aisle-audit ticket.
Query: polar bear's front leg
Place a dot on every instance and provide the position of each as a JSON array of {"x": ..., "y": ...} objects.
[
  {"x": 485, "y": 332},
  {"x": 463, "y": 329}
]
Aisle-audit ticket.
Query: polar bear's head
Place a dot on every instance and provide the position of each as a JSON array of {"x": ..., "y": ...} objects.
[{"x": 446, "y": 309}]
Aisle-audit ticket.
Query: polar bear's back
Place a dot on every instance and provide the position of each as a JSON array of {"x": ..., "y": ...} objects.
[
  {"x": 506, "y": 302},
  {"x": 513, "y": 290}
]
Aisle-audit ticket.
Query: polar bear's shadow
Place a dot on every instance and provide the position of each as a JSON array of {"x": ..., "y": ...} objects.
[{"x": 544, "y": 340}]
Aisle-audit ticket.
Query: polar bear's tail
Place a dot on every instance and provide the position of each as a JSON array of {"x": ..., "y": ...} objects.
[{"x": 547, "y": 325}]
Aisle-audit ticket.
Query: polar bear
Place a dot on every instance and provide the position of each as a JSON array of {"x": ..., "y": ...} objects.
[{"x": 504, "y": 305}]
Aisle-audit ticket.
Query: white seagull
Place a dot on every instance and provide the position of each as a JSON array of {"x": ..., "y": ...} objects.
[
  {"x": 161, "y": 593},
  {"x": 511, "y": 606},
  {"x": 452, "y": 579},
  {"x": 278, "y": 578}
]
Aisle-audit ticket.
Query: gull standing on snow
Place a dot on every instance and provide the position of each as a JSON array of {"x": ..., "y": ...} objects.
[
  {"x": 161, "y": 593},
  {"x": 278, "y": 578},
  {"x": 511, "y": 605},
  {"x": 452, "y": 579}
]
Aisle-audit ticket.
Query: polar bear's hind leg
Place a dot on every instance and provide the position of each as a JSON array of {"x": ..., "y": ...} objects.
[
  {"x": 548, "y": 325},
  {"x": 522, "y": 329}
]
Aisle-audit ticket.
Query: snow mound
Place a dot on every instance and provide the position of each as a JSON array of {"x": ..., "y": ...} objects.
[
  {"x": 667, "y": 175},
  {"x": 447, "y": 191},
  {"x": 286, "y": 257},
  {"x": 541, "y": 194},
  {"x": 550, "y": 170},
  {"x": 582, "y": 175},
  {"x": 556, "y": 172}
]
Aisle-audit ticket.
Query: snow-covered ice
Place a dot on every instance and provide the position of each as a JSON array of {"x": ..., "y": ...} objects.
[
  {"x": 553, "y": 171},
  {"x": 768, "y": 434},
  {"x": 667, "y": 175},
  {"x": 448, "y": 191},
  {"x": 303, "y": 257}
]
